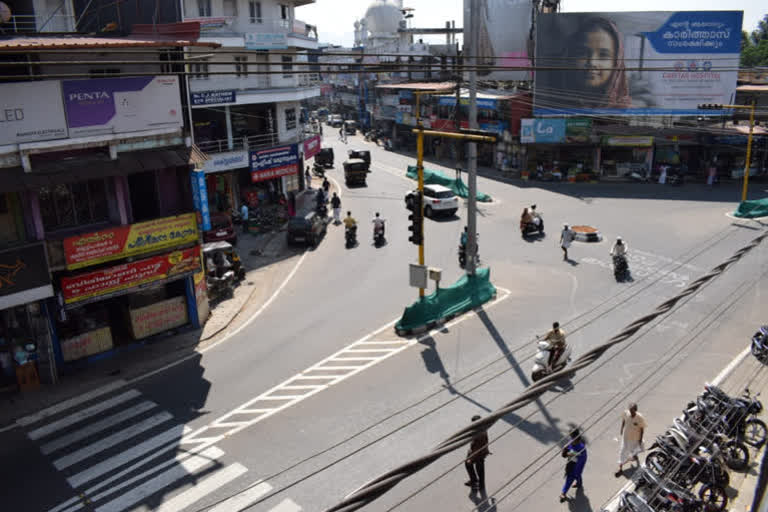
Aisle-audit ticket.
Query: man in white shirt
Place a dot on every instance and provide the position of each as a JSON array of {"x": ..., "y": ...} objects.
[
  {"x": 619, "y": 248},
  {"x": 566, "y": 237},
  {"x": 632, "y": 429}
]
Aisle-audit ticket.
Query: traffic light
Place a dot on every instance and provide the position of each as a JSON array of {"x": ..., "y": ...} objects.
[
  {"x": 710, "y": 106},
  {"x": 417, "y": 234}
]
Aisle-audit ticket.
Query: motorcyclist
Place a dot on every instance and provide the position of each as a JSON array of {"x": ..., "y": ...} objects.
[
  {"x": 619, "y": 248},
  {"x": 378, "y": 224},
  {"x": 556, "y": 339},
  {"x": 350, "y": 222},
  {"x": 525, "y": 219},
  {"x": 536, "y": 217}
]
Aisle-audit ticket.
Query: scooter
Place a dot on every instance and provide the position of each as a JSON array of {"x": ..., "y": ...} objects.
[
  {"x": 541, "y": 367},
  {"x": 378, "y": 235},
  {"x": 760, "y": 344},
  {"x": 220, "y": 286},
  {"x": 529, "y": 228},
  {"x": 620, "y": 267},
  {"x": 318, "y": 170},
  {"x": 350, "y": 237},
  {"x": 640, "y": 177}
]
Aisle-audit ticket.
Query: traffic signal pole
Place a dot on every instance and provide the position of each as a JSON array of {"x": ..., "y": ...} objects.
[{"x": 420, "y": 195}]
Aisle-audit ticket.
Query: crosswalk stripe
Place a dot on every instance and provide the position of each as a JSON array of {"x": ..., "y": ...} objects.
[
  {"x": 68, "y": 404},
  {"x": 244, "y": 499},
  {"x": 122, "y": 458},
  {"x": 94, "y": 428},
  {"x": 110, "y": 441},
  {"x": 202, "y": 489},
  {"x": 177, "y": 472},
  {"x": 287, "y": 505},
  {"x": 81, "y": 415}
]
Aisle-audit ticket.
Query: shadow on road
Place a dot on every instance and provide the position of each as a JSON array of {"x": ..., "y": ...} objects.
[
  {"x": 482, "y": 502},
  {"x": 580, "y": 502}
]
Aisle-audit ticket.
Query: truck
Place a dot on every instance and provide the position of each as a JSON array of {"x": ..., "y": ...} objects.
[{"x": 355, "y": 172}]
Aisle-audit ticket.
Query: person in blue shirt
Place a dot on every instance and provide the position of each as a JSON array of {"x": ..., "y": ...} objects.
[{"x": 576, "y": 453}]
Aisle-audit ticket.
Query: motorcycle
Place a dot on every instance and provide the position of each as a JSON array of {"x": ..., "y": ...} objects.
[
  {"x": 373, "y": 136},
  {"x": 620, "y": 267},
  {"x": 321, "y": 210},
  {"x": 350, "y": 237},
  {"x": 318, "y": 170},
  {"x": 529, "y": 228},
  {"x": 378, "y": 235},
  {"x": 639, "y": 177},
  {"x": 541, "y": 367},
  {"x": 760, "y": 344}
]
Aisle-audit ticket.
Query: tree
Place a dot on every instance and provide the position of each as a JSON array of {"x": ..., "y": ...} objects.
[{"x": 754, "y": 46}]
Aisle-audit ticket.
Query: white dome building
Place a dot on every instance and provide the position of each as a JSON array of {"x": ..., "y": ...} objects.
[{"x": 383, "y": 19}]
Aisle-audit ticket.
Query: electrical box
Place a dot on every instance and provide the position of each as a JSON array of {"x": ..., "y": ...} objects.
[
  {"x": 435, "y": 274},
  {"x": 418, "y": 275}
]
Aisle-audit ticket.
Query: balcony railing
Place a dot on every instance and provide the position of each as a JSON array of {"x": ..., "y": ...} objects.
[
  {"x": 238, "y": 25},
  {"x": 31, "y": 23},
  {"x": 248, "y": 143}
]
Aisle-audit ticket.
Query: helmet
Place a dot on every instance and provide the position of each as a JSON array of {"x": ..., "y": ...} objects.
[{"x": 377, "y": 214}]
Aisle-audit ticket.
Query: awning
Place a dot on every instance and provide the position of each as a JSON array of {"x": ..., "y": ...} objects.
[
  {"x": 421, "y": 86},
  {"x": 91, "y": 166}
]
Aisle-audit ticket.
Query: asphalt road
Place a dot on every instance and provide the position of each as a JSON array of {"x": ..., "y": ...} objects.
[{"x": 302, "y": 439}]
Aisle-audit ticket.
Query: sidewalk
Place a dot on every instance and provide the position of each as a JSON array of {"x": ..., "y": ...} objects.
[{"x": 267, "y": 259}]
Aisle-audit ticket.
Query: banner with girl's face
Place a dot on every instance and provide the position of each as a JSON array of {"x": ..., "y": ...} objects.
[{"x": 636, "y": 63}]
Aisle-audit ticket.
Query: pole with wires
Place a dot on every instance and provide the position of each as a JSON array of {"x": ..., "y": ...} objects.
[{"x": 474, "y": 9}]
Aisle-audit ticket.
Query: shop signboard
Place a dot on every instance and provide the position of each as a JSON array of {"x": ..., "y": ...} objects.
[
  {"x": 653, "y": 63},
  {"x": 637, "y": 141},
  {"x": 24, "y": 276},
  {"x": 31, "y": 112},
  {"x": 128, "y": 275},
  {"x": 482, "y": 103},
  {"x": 135, "y": 239},
  {"x": 86, "y": 344},
  {"x": 577, "y": 130},
  {"x": 504, "y": 26},
  {"x": 226, "y": 161},
  {"x": 159, "y": 317},
  {"x": 266, "y": 41},
  {"x": 542, "y": 131},
  {"x": 312, "y": 146},
  {"x": 405, "y": 94},
  {"x": 118, "y": 105},
  {"x": 213, "y": 97},
  {"x": 267, "y": 164},
  {"x": 200, "y": 198}
]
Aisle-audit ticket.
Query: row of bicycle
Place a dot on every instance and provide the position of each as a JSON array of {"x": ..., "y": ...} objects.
[{"x": 688, "y": 467}]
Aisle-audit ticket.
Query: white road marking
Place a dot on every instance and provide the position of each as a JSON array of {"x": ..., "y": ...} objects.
[
  {"x": 97, "y": 427},
  {"x": 201, "y": 489},
  {"x": 185, "y": 468},
  {"x": 287, "y": 505},
  {"x": 244, "y": 499},
  {"x": 122, "y": 458},
  {"x": 110, "y": 441},
  {"x": 81, "y": 415}
]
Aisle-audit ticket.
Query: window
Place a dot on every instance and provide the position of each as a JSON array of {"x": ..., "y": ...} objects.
[
  {"x": 241, "y": 66},
  {"x": 76, "y": 204},
  {"x": 290, "y": 119},
  {"x": 204, "y": 8},
  {"x": 255, "y": 12},
  {"x": 284, "y": 11},
  {"x": 287, "y": 67},
  {"x": 200, "y": 70}
]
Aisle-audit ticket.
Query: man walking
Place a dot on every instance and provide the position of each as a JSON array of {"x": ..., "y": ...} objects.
[
  {"x": 631, "y": 432},
  {"x": 336, "y": 205},
  {"x": 566, "y": 237},
  {"x": 475, "y": 461},
  {"x": 308, "y": 177},
  {"x": 244, "y": 216}
]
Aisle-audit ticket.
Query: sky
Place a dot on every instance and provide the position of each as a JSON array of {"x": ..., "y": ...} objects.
[{"x": 335, "y": 18}]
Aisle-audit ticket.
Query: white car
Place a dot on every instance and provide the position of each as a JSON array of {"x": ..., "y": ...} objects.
[{"x": 438, "y": 199}]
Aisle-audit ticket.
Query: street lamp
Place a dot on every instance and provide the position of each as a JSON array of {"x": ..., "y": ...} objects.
[{"x": 748, "y": 161}]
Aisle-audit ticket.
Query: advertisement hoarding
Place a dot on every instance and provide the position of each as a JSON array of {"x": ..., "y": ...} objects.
[
  {"x": 504, "y": 28},
  {"x": 482, "y": 103},
  {"x": 113, "y": 279},
  {"x": 119, "y": 105},
  {"x": 123, "y": 241},
  {"x": 24, "y": 276},
  {"x": 31, "y": 112},
  {"x": 158, "y": 317},
  {"x": 311, "y": 146},
  {"x": 542, "y": 130},
  {"x": 266, "y": 41},
  {"x": 200, "y": 199},
  {"x": 636, "y": 63},
  {"x": 267, "y": 164}
]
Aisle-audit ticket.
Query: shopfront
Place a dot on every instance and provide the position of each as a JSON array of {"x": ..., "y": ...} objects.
[
  {"x": 621, "y": 155},
  {"x": 26, "y": 352},
  {"x": 106, "y": 302}
]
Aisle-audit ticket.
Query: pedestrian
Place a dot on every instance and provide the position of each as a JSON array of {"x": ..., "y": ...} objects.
[
  {"x": 326, "y": 186},
  {"x": 291, "y": 203},
  {"x": 475, "y": 461},
  {"x": 663, "y": 174},
  {"x": 336, "y": 205},
  {"x": 576, "y": 453},
  {"x": 308, "y": 178},
  {"x": 631, "y": 432},
  {"x": 244, "y": 216},
  {"x": 566, "y": 237},
  {"x": 712, "y": 172}
]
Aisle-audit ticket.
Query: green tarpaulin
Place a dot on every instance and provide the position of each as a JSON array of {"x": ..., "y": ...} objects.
[
  {"x": 752, "y": 209},
  {"x": 467, "y": 293},
  {"x": 438, "y": 178}
]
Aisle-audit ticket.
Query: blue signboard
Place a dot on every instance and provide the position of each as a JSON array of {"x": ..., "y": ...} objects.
[
  {"x": 482, "y": 103},
  {"x": 267, "y": 164},
  {"x": 212, "y": 97},
  {"x": 542, "y": 130},
  {"x": 200, "y": 198}
]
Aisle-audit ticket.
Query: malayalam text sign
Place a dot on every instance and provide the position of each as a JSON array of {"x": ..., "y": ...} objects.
[
  {"x": 267, "y": 164},
  {"x": 542, "y": 130},
  {"x": 311, "y": 146}
]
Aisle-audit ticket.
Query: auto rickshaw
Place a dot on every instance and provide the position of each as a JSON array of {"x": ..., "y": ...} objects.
[{"x": 224, "y": 257}]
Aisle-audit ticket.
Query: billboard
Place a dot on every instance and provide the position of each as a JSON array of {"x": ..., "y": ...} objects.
[
  {"x": 636, "y": 63},
  {"x": 118, "y": 105},
  {"x": 267, "y": 164},
  {"x": 542, "y": 130},
  {"x": 505, "y": 26},
  {"x": 311, "y": 147},
  {"x": 24, "y": 275},
  {"x": 266, "y": 41},
  {"x": 31, "y": 112}
]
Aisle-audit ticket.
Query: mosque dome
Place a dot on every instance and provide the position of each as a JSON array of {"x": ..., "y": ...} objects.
[{"x": 383, "y": 17}]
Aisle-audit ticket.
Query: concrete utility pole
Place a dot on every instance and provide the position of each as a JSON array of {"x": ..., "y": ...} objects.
[{"x": 472, "y": 146}]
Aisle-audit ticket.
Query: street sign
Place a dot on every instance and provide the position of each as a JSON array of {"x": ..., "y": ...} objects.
[{"x": 418, "y": 275}]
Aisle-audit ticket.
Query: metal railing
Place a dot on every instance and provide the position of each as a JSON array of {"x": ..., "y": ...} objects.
[
  {"x": 247, "y": 143},
  {"x": 244, "y": 24},
  {"x": 31, "y": 23}
]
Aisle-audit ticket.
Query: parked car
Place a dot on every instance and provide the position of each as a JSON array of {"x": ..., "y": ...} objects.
[
  {"x": 307, "y": 230},
  {"x": 222, "y": 229},
  {"x": 325, "y": 157},
  {"x": 437, "y": 200}
]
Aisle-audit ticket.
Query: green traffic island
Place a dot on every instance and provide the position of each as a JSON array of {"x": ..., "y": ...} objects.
[
  {"x": 468, "y": 293},
  {"x": 755, "y": 209},
  {"x": 438, "y": 178}
]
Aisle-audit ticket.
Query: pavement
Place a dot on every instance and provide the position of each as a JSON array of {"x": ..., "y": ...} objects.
[{"x": 308, "y": 398}]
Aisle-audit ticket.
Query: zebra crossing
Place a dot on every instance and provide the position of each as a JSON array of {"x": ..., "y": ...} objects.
[{"x": 124, "y": 453}]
